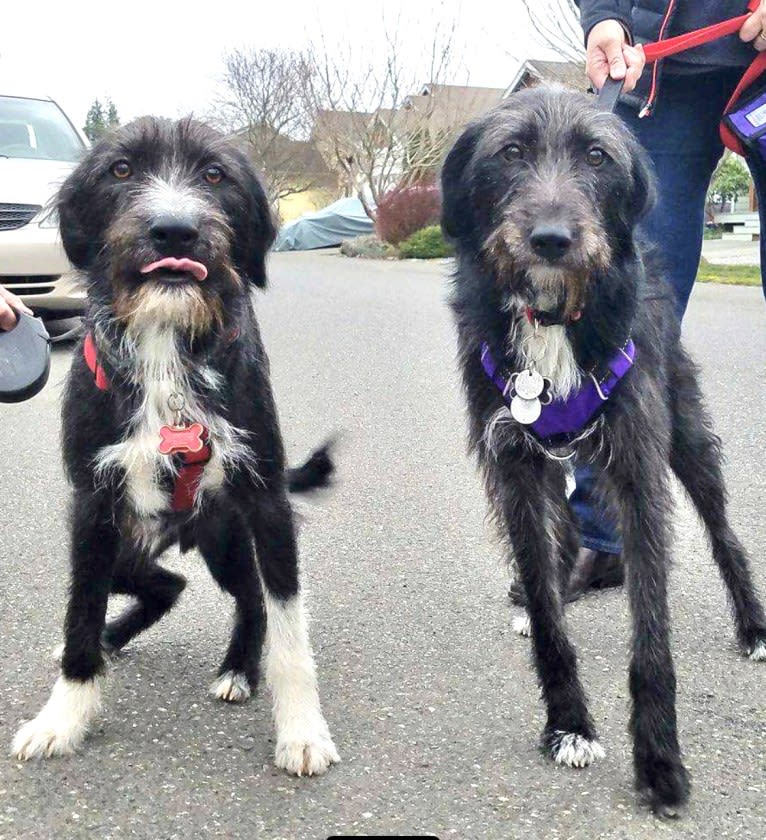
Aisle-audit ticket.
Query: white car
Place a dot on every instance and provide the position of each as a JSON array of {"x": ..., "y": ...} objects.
[{"x": 39, "y": 147}]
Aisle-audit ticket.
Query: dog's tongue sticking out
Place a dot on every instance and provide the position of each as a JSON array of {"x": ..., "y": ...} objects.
[{"x": 196, "y": 269}]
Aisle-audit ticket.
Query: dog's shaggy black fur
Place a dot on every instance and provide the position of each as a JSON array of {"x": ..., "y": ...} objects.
[
  {"x": 542, "y": 198},
  {"x": 154, "y": 190}
]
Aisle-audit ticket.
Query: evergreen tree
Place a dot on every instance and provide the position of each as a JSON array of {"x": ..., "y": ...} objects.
[
  {"x": 98, "y": 121},
  {"x": 112, "y": 118},
  {"x": 94, "y": 123}
]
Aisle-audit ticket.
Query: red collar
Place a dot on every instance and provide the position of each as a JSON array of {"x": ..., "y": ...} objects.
[
  {"x": 91, "y": 359},
  {"x": 545, "y": 320},
  {"x": 192, "y": 464}
]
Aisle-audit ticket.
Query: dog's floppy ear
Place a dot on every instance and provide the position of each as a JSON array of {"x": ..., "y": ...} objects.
[
  {"x": 72, "y": 213},
  {"x": 261, "y": 230},
  {"x": 455, "y": 189},
  {"x": 643, "y": 190}
]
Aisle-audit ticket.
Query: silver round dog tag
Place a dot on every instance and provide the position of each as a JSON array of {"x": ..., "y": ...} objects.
[
  {"x": 525, "y": 411},
  {"x": 528, "y": 384}
]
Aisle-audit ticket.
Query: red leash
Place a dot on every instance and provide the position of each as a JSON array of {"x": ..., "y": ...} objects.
[
  {"x": 680, "y": 43},
  {"x": 672, "y": 46}
]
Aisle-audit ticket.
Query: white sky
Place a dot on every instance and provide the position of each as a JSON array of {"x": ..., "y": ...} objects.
[{"x": 164, "y": 56}]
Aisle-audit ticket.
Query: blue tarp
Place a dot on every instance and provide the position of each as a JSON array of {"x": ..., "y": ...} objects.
[{"x": 343, "y": 219}]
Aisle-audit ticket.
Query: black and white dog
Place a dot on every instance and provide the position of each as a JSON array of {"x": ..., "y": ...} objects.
[
  {"x": 558, "y": 306},
  {"x": 170, "y": 430}
]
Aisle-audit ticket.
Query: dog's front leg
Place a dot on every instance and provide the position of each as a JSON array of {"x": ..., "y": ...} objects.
[
  {"x": 304, "y": 745},
  {"x": 61, "y": 725},
  {"x": 569, "y": 736},
  {"x": 639, "y": 476}
]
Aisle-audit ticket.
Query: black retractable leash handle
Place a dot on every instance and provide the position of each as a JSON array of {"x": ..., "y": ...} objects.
[
  {"x": 609, "y": 94},
  {"x": 25, "y": 359}
]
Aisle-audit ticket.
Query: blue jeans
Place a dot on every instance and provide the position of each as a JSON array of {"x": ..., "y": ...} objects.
[{"x": 682, "y": 141}]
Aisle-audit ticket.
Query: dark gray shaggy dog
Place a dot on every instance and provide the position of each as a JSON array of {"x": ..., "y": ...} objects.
[
  {"x": 170, "y": 431},
  {"x": 541, "y": 198}
]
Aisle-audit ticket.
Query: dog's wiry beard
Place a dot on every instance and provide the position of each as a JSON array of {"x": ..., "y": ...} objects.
[
  {"x": 142, "y": 303},
  {"x": 519, "y": 273},
  {"x": 186, "y": 308}
]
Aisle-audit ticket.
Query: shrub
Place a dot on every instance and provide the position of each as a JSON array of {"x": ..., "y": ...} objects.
[
  {"x": 404, "y": 210},
  {"x": 369, "y": 247},
  {"x": 426, "y": 244}
]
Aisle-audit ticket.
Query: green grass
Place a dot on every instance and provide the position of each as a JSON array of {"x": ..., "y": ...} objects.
[{"x": 733, "y": 275}]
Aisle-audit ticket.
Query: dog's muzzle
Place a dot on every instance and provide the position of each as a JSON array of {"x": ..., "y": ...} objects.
[{"x": 551, "y": 242}]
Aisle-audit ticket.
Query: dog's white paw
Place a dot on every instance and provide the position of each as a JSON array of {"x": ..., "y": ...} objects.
[
  {"x": 232, "y": 687},
  {"x": 45, "y": 738},
  {"x": 522, "y": 625},
  {"x": 758, "y": 653},
  {"x": 307, "y": 755},
  {"x": 574, "y": 750},
  {"x": 63, "y": 722}
]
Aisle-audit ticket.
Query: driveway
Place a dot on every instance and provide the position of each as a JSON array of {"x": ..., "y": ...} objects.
[{"x": 431, "y": 698}]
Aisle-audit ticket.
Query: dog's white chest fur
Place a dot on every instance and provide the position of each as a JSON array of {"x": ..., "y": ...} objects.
[
  {"x": 550, "y": 351},
  {"x": 161, "y": 375}
]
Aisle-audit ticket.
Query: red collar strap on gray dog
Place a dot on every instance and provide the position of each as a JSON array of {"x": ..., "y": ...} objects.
[
  {"x": 546, "y": 319},
  {"x": 561, "y": 420}
]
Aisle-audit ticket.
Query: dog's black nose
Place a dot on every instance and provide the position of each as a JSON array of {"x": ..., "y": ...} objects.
[
  {"x": 173, "y": 235},
  {"x": 550, "y": 241}
]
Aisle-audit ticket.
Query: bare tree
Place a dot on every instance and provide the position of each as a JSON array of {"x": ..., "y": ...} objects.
[
  {"x": 367, "y": 125},
  {"x": 265, "y": 100},
  {"x": 557, "y": 26}
]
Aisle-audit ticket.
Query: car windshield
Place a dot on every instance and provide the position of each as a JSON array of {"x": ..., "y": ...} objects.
[{"x": 34, "y": 128}]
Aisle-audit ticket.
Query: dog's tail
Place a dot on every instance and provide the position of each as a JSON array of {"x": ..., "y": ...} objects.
[{"x": 315, "y": 472}]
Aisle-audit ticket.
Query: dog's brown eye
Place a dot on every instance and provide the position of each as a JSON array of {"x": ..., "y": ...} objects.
[
  {"x": 596, "y": 156},
  {"x": 513, "y": 152},
  {"x": 213, "y": 174},
  {"x": 121, "y": 169}
]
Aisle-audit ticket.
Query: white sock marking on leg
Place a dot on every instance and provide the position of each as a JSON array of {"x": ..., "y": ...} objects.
[
  {"x": 522, "y": 625},
  {"x": 304, "y": 745},
  {"x": 576, "y": 751},
  {"x": 758, "y": 653},
  {"x": 60, "y": 727},
  {"x": 232, "y": 687}
]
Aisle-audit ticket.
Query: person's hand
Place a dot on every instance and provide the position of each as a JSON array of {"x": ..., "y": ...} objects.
[
  {"x": 7, "y": 315},
  {"x": 754, "y": 28},
  {"x": 608, "y": 54}
]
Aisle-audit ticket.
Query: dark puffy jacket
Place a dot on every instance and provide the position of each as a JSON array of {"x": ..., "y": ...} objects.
[{"x": 654, "y": 20}]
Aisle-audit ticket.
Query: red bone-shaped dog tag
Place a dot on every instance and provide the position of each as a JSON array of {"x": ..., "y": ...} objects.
[{"x": 181, "y": 438}]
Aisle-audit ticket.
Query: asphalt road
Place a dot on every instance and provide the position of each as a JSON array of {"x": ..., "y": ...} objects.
[{"x": 431, "y": 698}]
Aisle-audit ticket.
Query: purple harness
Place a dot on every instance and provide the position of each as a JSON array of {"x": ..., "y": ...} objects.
[{"x": 563, "y": 419}]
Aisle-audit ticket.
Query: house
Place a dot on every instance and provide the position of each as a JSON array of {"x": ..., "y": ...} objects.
[
  {"x": 294, "y": 170},
  {"x": 386, "y": 144},
  {"x": 445, "y": 109},
  {"x": 568, "y": 73}
]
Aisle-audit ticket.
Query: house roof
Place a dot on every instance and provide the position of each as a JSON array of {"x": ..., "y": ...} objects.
[
  {"x": 298, "y": 157},
  {"x": 339, "y": 123},
  {"x": 568, "y": 73},
  {"x": 448, "y": 107},
  {"x": 439, "y": 107}
]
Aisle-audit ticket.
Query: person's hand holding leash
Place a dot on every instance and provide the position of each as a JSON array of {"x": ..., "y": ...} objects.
[
  {"x": 7, "y": 315},
  {"x": 609, "y": 54},
  {"x": 754, "y": 28}
]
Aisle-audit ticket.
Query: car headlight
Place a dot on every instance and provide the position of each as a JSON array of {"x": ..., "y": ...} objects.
[{"x": 49, "y": 218}]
